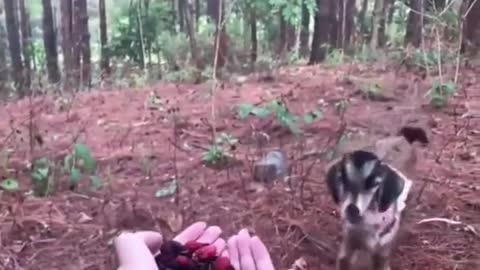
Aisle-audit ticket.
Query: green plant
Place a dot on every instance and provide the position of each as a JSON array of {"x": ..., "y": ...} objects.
[
  {"x": 440, "y": 93},
  {"x": 81, "y": 162},
  {"x": 215, "y": 155},
  {"x": 42, "y": 171},
  {"x": 218, "y": 152},
  {"x": 10, "y": 185},
  {"x": 283, "y": 116},
  {"x": 335, "y": 57}
]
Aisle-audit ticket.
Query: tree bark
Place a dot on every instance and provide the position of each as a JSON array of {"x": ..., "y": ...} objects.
[
  {"x": 83, "y": 40},
  {"x": 3, "y": 57},
  {"x": 26, "y": 44},
  {"x": 216, "y": 10},
  {"x": 11, "y": 21},
  {"x": 198, "y": 8},
  {"x": 70, "y": 61},
  {"x": 181, "y": 11},
  {"x": 376, "y": 23},
  {"x": 333, "y": 24},
  {"x": 305, "y": 29},
  {"x": 346, "y": 10},
  {"x": 391, "y": 11},
  {"x": 361, "y": 19},
  {"x": 471, "y": 29},
  {"x": 321, "y": 32},
  {"x": 187, "y": 15},
  {"x": 253, "y": 37},
  {"x": 287, "y": 36},
  {"x": 105, "y": 58},
  {"x": 50, "y": 42},
  {"x": 413, "y": 35}
]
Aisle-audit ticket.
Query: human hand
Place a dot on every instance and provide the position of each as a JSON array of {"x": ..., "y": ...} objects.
[
  {"x": 136, "y": 251},
  {"x": 248, "y": 253}
]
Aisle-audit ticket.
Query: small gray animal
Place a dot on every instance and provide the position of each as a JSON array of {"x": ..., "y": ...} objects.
[{"x": 371, "y": 194}]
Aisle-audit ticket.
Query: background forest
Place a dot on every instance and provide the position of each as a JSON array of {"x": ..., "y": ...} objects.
[
  {"x": 128, "y": 42},
  {"x": 153, "y": 114}
]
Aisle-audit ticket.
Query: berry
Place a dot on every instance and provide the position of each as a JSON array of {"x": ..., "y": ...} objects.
[
  {"x": 206, "y": 254},
  {"x": 222, "y": 263},
  {"x": 185, "y": 263}
]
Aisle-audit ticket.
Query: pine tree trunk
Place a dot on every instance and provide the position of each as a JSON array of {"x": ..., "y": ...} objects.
[
  {"x": 105, "y": 59},
  {"x": 83, "y": 40},
  {"x": 253, "y": 38},
  {"x": 216, "y": 10},
  {"x": 187, "y": 15},
  {"x": 197, "y": 13},
  {"x": 346, "y": 10},
  {"x": 11, "y": 20},
  {"x": 414, "y": 24},
  {"x": 26, "y": 44},
  {"x": 70, "y": 61},
  {"x": 181, "y": 11},
  {"x": 321, "y": 32},
  {"x": 3, "y": 58},
  {"x": 50, "y": 42},
  {"x": 305, "y": 30},
  {"x": 376, "y": 23},
  {"x": 362, "y": 21}
]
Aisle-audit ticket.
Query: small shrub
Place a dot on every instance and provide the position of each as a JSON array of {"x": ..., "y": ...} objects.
[{"x": 440, "y": 93}]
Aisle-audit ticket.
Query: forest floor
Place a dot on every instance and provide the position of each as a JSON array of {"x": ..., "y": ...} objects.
[{"x": 133, "y": 143}]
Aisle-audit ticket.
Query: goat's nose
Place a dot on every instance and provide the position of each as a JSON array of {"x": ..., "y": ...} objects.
[{"x": 353, "y": 213}]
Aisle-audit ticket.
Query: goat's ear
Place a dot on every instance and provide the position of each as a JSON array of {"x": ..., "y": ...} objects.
[
  {"x": 390, "y": 189},
  {"x": 334, "y": 181}
]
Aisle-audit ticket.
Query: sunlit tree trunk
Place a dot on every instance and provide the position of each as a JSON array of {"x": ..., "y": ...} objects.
[
  {"x": 346, "y": 11},
  {"x": 50, "y": 42},
  {"x": 105, "y": 59},
  {"x": 11, "y": 21},
  {"x": 361, "y": 19},
  {"x": 321, "y": 31},
  {"x": 187, "y": 15}
]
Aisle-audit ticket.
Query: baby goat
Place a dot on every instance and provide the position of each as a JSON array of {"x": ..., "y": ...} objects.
[{"x": 371, "y": 193}]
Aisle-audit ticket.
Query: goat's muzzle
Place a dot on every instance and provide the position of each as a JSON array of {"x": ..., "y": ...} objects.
[{"x": 353, "y": 214}]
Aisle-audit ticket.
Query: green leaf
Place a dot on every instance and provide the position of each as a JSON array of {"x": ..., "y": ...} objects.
[
  {"x": 244, "y": 110},
  {"x": 75, "y": 176},
  {"x": 261, "y": 112},
  {"x": 82, "y": 152},
  {"x": 168, "y": 191},
  {"x": 10, "y": 185},
  {"x": 96, "y": 182}
]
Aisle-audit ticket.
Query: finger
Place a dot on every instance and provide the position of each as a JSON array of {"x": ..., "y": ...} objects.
[
  {"x": 191, "y": 233},
  {"x": 152, "y": 239},
  {"x": 220, "y": 245},
  {"x": 210, "y": 235},
  {"x": 260, "y": 254},
  {"x": 225, "y": 253},
  {"x": 246, "y": 259},
  {"x": 232, "y": 246},
  {"x": 133, "y": 253}
]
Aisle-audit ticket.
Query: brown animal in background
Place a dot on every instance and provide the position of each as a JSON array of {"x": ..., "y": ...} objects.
[{"x": 371, "y": 189}]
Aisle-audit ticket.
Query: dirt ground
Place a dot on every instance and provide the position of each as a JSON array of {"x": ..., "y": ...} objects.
[{"x": 139, "y": 152}]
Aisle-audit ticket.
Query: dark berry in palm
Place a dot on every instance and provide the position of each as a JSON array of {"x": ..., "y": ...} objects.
[
  {"x": 206, "y": 254},
  {"x": 172, "y": 248},
  {"x": 193, "y": 246},
  {"x": 222, "y": 263}
]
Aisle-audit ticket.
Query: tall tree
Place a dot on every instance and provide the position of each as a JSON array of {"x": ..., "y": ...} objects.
[
  {"x": 287, "y": 35},
  {"x": 321, "y": 31},
  {"x": 361, "y": 19},
  {"x": 198, "y": 8},
  {"x": 378, "y": 18},
  {"x": 11, "y": 21},
  {"x": 253, "y": 36},
  {"x": 3, "y": 55},
  {"x": 414, "y": 23},
  {"x": 70, "y": 61},
  {"x": 188, "y": 17},
  {"x": 105, "y": 59},
  {"x": 50, "y": 42},
  {"x": 216, "y": 10},
  {"x": 346, "y": 13},
  {"x": 26, "y": 43},
  {"x": 472, "y": 24},
  {"x": 305, "y": 29},
  {"x": 182, "y": 6},
  {"x": 82, "y": 38}
]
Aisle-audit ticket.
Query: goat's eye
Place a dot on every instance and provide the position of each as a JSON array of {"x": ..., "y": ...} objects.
[{"x": 370, "y": 182}]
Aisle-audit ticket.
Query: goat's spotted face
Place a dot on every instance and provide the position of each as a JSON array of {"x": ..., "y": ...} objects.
[{"x": 360, "y": 182}]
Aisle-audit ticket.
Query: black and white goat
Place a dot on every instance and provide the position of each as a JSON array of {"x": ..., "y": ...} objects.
[{"x": 372, "y": 194}]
